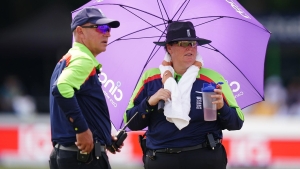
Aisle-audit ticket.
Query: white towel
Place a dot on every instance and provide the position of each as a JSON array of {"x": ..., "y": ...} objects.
[{"x": 177, "y": 109}]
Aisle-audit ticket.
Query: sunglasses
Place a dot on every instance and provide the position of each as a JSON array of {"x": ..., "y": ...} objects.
[
  {"x": 102, "y": 28},
  {"x": 187, "y": 43}
]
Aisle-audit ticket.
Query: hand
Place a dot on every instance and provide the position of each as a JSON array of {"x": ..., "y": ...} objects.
[
  {"x": 198, "y": 64},
  {"x": 114, "y": 138},
  {"x": 167, "y": 74},
  {"x": 219, "y": 97},
  {"x": 161, "y": 94},
  {"x": 165, "y": 63},
  {"x": 85, "y": 141}
]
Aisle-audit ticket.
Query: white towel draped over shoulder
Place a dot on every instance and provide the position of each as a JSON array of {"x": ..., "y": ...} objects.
[{"x": 177, "y": 109}]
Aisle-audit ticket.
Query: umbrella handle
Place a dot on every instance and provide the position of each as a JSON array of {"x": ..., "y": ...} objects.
[{"x": 160, "y": 106}]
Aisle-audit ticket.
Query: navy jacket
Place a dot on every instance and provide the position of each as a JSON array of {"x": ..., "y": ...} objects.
[
  {"x": 163, "y": 134},
  {"x": 75, "y": 92}
]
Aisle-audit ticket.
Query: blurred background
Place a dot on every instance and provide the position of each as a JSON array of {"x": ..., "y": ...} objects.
[{"x": 34, "y": 35}]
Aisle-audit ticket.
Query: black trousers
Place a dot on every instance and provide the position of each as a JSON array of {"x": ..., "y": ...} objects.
[
  {"x": 204, "y": 158},
  {"x": 62, "y": 159}
]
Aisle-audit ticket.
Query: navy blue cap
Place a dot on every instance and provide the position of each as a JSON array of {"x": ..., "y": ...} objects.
[
  {"x": 94, "y": 16},
  {"x": 181, "y": 31}
]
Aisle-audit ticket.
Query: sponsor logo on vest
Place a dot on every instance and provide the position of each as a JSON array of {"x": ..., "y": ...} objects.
[
  {"x": 111, "y": 89},
  {"x": 238, "y": 9}
]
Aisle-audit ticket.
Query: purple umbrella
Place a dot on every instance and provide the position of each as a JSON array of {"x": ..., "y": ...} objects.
[{"x": 237, "y": 50}]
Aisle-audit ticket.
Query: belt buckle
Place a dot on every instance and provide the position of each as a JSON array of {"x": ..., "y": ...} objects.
[{"x": 173, "y": 150}]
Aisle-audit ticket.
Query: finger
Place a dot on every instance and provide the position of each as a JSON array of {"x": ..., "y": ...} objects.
[
  {"x": 118, "y": 149},
  {"x": 114, "y": 138},
  {"x": 79, "y": 146},
  {"x": 219, "y": 95},
  {"x": 83, "y": 147},
  {"x": 217, "y": 102},
  {"x": 215, "y": 95},
  {"x": 162, "y": 90},
  {"x": 168, "y": 93},
  {"x": 113, "y": 152},
  {"x": 218, "y": 91},
  {"x": 219, "y": 86},
  {"x": 165, "y": 98},
  {"x": 165, "y": 93},
  {"x": 217, "y": 98},
  {"x": 87, "y": 148},
  {"x": 167, "y": 75}
]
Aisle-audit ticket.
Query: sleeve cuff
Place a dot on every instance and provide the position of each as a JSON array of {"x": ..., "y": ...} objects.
[
  {"x": 80, "y": 125},
  {"x": 224, "y": 110},
  {"x": 145, "y": 108}
]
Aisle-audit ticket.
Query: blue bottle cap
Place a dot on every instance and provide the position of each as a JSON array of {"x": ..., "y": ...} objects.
[{"x": 209, "y": 87}]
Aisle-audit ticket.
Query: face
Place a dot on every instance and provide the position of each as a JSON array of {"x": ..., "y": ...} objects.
[
  {"x": 183, "y": 55},
  {"x": 93, "y": 38}
]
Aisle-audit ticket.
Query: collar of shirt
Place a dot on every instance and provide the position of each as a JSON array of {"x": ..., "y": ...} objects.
[
  {"x": 177, "y": 77},
  {"x": 87, "y": 51}
]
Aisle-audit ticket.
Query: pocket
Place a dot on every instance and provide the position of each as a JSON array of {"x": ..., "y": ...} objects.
[
  {"x": 52, "y": 161},
  {"x": 103, "y": 162},
  {"x": 67, "y": 159}
]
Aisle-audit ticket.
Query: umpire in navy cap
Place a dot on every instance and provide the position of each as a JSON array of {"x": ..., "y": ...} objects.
[{"x": 80, "y": 120}]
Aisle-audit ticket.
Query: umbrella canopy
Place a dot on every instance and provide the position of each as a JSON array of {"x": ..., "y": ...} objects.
[{"x": 237, "y": 50}]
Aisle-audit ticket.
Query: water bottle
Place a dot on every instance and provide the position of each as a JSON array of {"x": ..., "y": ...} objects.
[{"x": 209, "y": 109}]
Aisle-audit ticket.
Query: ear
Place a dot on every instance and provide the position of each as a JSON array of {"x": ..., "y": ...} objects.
[
  {"x": 169, "y": 48},
  {"x": 79, "y": 31}
]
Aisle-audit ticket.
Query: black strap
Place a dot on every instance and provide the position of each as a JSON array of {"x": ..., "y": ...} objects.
[
  {"x": 180, "y": 149},
  {"x": 142, "y": 141}
]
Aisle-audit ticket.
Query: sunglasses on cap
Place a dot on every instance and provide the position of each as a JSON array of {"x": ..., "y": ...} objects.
[
  {"x": 102, "y": 28},
  {"x": 186, "y": 43}
]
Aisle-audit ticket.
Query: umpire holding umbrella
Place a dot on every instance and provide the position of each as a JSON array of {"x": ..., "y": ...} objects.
[
  {"x": 180, "y": 137},
  {"x": 80, "y": 121}
]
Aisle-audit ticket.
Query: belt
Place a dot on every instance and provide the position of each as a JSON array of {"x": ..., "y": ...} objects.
[
  {"x": 75, "y": 148},
  {"x": 180, "y": 149}
]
